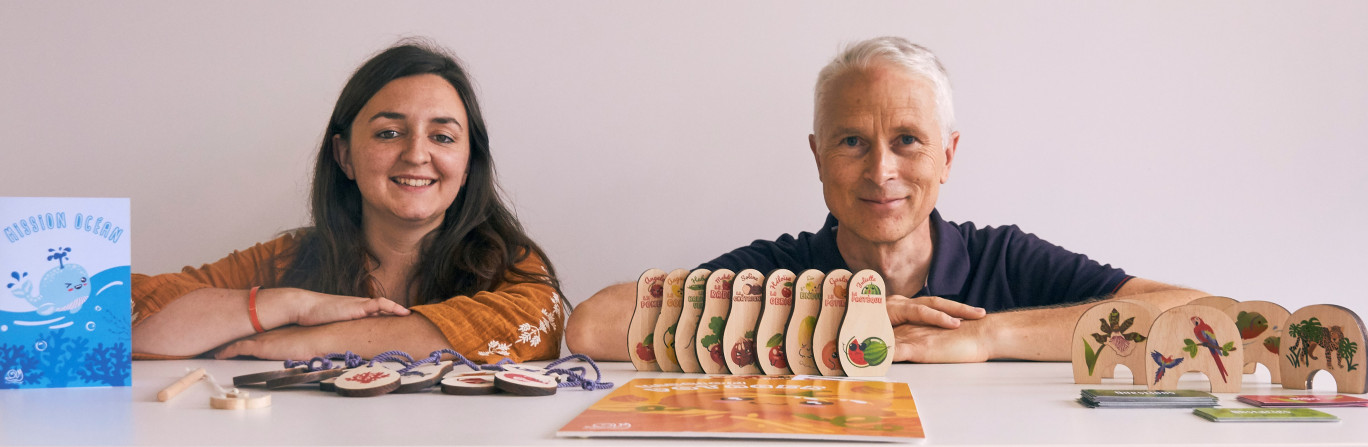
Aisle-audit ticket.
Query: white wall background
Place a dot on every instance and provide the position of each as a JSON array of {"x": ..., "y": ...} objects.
[{"x": 1218, "y": 145}]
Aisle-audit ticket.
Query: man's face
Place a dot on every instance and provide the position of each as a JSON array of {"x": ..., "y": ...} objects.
[{"x": 880, "y": 152}]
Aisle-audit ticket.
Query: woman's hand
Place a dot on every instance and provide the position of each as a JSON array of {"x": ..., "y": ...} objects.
[{"x": 319, "y": 308}]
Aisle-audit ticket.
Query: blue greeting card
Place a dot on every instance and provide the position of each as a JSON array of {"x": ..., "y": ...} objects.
[{"x": 64, "y": 310}]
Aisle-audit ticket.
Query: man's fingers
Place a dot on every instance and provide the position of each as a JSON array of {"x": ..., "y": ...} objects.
[
  {"x": 953, "y": 308},
  {"x": 906, "y": 311}
]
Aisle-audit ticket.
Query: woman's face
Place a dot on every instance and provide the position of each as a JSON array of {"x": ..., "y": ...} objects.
[{"x": 408, "y": 152}]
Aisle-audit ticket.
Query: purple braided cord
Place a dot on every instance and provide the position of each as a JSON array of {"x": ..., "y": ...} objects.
[
  {"x": 392, "y": 355},
  {"x": 496, "y": 366},
  {"x": 314, "y": 364},
  {"x": 434, "y": 359},
  {"x": 575, "y": 376},
  {"x": 351, "y": 359}
]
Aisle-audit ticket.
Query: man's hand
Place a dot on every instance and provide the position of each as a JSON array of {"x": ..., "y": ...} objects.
[{"x": 929, "y": 330}]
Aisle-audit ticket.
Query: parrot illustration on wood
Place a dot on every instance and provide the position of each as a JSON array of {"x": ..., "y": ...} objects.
[
  {"x": 1164, "y": 364},
  {"x": 1206, "y": 337}
]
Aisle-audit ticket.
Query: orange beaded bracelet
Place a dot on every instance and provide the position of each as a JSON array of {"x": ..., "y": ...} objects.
[{"x": 251, "y": 310}]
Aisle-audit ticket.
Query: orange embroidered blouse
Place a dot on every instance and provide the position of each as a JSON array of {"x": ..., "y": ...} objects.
[{"x": 520, "y": 321}]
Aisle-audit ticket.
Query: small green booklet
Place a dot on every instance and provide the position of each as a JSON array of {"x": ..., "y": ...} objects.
[{"x": 1265, "y": 415}]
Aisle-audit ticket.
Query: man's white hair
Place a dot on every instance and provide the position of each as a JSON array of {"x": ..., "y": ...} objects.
[{"x": 916, "y": 59}]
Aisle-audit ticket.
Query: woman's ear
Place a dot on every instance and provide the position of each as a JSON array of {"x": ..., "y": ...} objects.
[{"x": 342, "y": 153}]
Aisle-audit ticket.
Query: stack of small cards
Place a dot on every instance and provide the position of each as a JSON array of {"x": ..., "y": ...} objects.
[
  {"x": 1146, "y": 399},
  {"x": 1304, "y": 400},
  {"x": 1264, "y": 415}
]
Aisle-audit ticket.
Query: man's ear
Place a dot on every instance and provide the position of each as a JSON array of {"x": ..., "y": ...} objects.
[
  {"x": 950, "y": 147},
  {"x": 342, "y": 153},
  {"x": 812, "y": 143}
]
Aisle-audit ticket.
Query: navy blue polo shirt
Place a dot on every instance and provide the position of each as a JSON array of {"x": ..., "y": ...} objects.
[{"x": 994, "y": 268}]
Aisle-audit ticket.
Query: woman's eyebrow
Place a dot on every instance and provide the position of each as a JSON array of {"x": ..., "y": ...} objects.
[{"x": 400, "y": 116}]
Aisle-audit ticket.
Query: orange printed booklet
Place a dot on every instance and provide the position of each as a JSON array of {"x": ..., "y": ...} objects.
[{"x": 754, "y": 407}]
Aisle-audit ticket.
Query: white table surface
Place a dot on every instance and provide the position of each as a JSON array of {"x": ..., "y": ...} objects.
[{"x": 999, "y": 403}]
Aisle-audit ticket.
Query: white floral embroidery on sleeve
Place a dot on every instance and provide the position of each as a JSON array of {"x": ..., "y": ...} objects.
[{"x": 528, "y": 334}]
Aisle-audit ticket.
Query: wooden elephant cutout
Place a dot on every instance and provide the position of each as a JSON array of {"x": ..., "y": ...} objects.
[
  {"x": 1112, "y": 333},
  {"x": 1334, "y": 333},
  {"x": 1261, "y": 325},
  {"x": 1198, "y": 338}
]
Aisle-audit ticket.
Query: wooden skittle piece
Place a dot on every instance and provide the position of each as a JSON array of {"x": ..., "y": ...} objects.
[
  {"x": 1198, "y": 338},
  {"x": 695, "y": 292},
  {"x": 307, "y": 377},
  {"x": 738, "y": 339},
  {"x": 524, "y": 383},
  {"x": 367, "y": 381},
  {"x": 774, "y": 318},
  {"x": 262, "y": 377},
  {"x": 1324, "y": 337},
  {"x": 866, "y": 335},
  {"x": 1111, "y": 333},
  {"x": 671, "y": 305},
  {"x": 834, "y": 294},
  {"x": 1219, "y": 302},
  {"x": 239, "y": 400},
  {"x": 1261, "y": 326},
  {"x": 708, "y": 339},
  {"x": 798, "y": 344},
  {"x": 431, "y": 374},
  {"x": 469, "y": 383},
  {"x": 641, "y": 331}
]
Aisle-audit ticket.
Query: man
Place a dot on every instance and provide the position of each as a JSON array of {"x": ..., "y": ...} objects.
[{"x": 884, "y": 140}]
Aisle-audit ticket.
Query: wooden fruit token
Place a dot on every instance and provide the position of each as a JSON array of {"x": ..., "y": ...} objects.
[
  {"x": 671, "y": 305},
  {"x": 1111, "y": 333},
  {"x": 469, "y": 383},
  {"x": 328, "y": 385},
  {"x": 431, "y": 374},
  {"x": 738, "y": 337},
  {"x": 1218, "y": 302},
  {"x": 798, "y": 343},
  {"x": 774, "y": 320},
  {"x": 1324, "y": 337},
  {"x": 367, "y": 381},
  {"x": 1198, "y": 338},
  {"x": 695, "y": 291},
  {"x": 708, "y": 338},
  {"x": 834, "y": 290},
  {"x": 308, "y": 377},
  {"x": 262, "y": 377},
  {"x": 641, "y": 331},
  {"x": 239, "y": 401},
  {"x": 525, "y": 383},
  {"x": 866, "y": 335},
  {"x": 1261, "y": 326}
]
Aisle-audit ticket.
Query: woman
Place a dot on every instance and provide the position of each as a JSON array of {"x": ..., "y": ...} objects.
[{"x": 405, "y": 216}]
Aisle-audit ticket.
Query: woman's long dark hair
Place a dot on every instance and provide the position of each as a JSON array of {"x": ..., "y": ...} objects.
[{"x": 479, "y": 242}]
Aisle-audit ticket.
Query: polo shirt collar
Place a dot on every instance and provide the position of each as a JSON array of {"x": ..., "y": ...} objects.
[{"x": 949, "y": 256}]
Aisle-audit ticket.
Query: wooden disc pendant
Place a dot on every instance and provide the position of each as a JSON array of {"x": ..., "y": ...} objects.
[
  {"x": 469, "y": 383},
  {"x": 525, "y": 383},
  {"x": 367, "y": 381}
]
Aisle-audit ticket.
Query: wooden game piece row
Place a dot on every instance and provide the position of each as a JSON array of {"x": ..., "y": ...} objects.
[{"x": 1221, "y": 338}]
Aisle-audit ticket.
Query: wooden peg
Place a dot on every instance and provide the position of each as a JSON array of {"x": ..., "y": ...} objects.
[
  {"x": 708, "y": 339},
  {"x": 180, "y": 385},
  {"x": 671, "y": 306},
  {"x": 1328, "y": 335},
  {"x": 641, "y": 331},
  {"x": 866, "y": 335},
  {"x": 738, "y": 339},
  {"x": 835, "y": 290},
  {"x": 367, "y": 381},
  {"x": 695, "y": 292},
  {"x": 239, "y": 400},
  {"x": 1111, "y": 333},
  {"x": 1219, "y": 302},
  {"x": 802, "y": 323},
  {"x": 1198, "y": 338},
  {"x": 1261, "y": 326},
  {"x": 774, "y": 318}
]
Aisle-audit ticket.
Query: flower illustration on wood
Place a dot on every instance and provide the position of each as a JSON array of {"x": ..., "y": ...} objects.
[
  {"x": 368, "y": 377},
  {"x": 1112, "y": 332}
]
